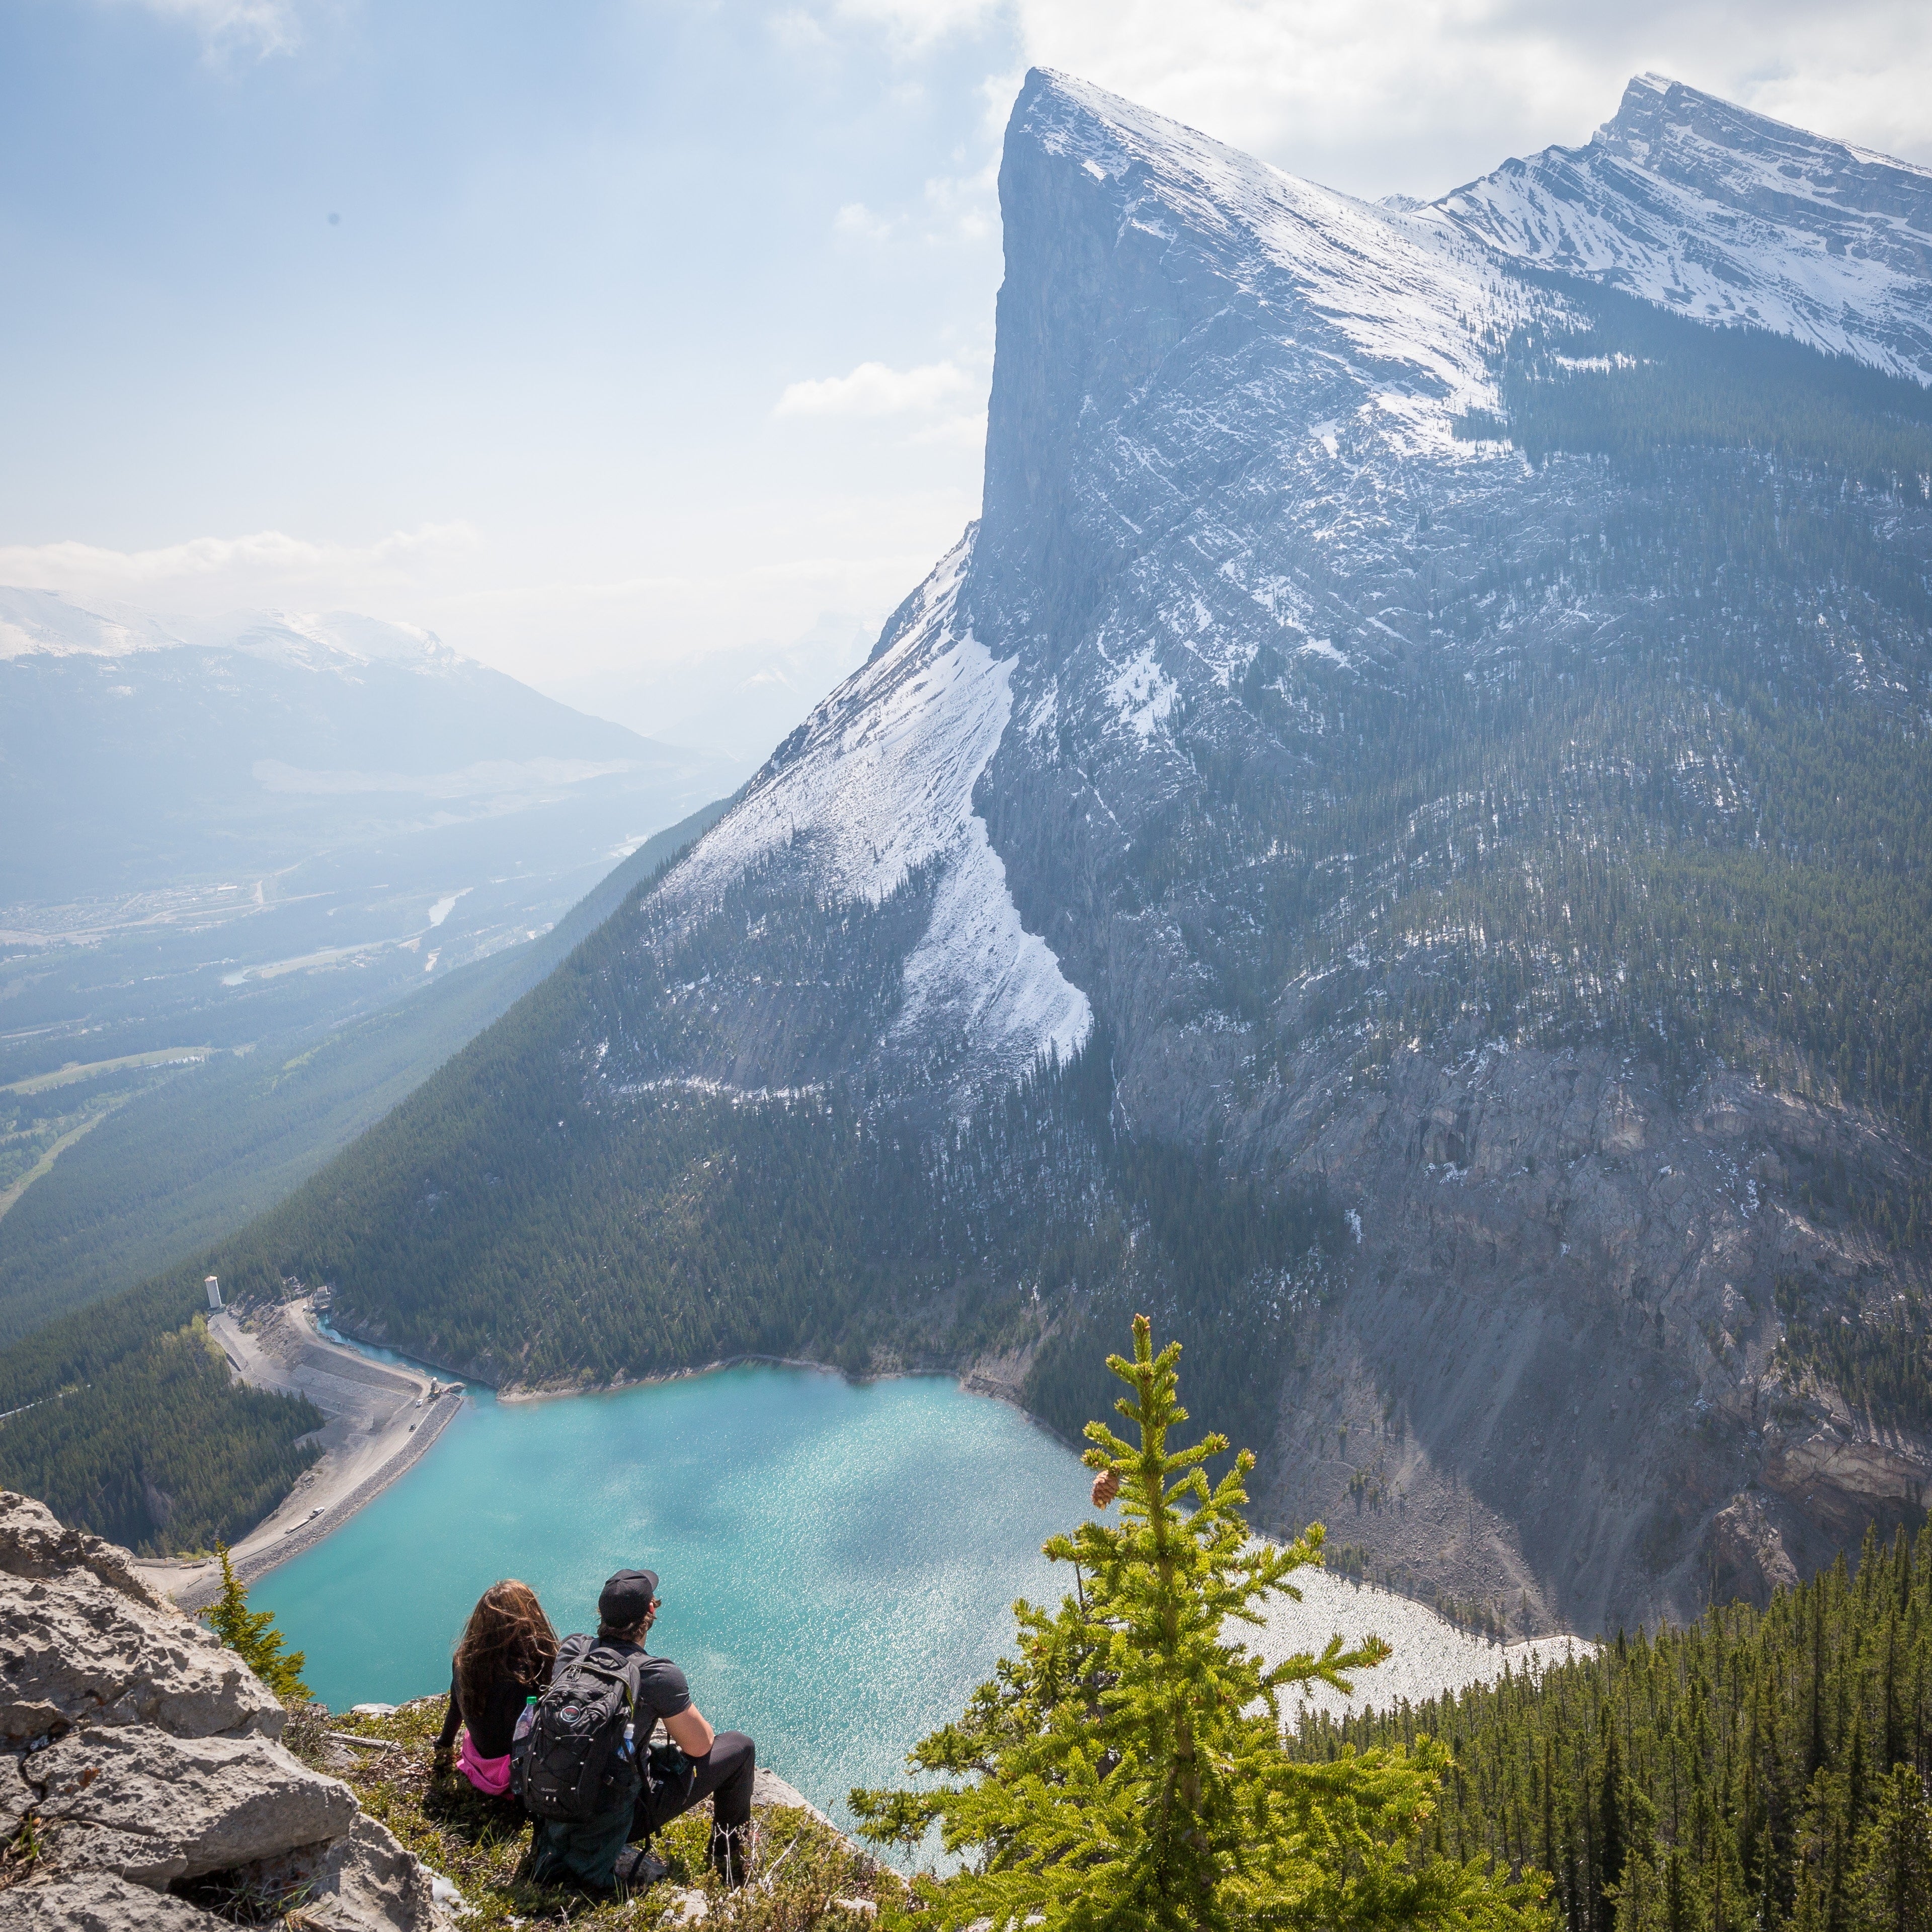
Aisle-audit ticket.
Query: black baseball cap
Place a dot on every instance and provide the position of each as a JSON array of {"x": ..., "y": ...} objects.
[{"x": 626, "y": 1597}]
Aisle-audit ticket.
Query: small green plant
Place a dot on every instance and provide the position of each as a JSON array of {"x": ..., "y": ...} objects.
[
  {"x": 1127, "y": 1769},
  {"x": 253, "y": 1636},
  {"x": 24, "y": 1850}
]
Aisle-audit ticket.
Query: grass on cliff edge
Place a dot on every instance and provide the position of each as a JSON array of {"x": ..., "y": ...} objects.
[{"x": 800, "y": 1868}]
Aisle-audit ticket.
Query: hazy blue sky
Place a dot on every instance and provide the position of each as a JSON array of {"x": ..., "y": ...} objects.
[{"x": 601, "y": 338}]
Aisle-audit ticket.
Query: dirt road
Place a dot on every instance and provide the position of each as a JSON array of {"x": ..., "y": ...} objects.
[{"x": 380, "y": 1420}]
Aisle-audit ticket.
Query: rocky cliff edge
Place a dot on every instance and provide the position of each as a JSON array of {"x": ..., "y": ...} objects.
[{"x": 141, "y": 1765}]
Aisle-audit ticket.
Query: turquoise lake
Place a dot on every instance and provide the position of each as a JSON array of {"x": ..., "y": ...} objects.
[{"x": 838, "y": 1561}]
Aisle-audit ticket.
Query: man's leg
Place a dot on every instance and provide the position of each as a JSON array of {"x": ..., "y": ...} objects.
[
  {"x": 725, "y": 1774},
  {"x": 733, "y": 1761}
]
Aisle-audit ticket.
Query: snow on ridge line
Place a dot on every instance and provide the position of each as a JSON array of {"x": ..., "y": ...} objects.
[
  {"x": 883, "y": 782},
  {"x": 880, "y": 781},
  {"x": 1400, "y": 293},
  {"x": 36, "y": 623},
  {"x": 45, "y": 623},
  {"x": 1727, "y": 217},
  {"x": 1742, "y": 242}
]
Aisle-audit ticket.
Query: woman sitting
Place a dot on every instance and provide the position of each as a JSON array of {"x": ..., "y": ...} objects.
[{"x": 503, "y": 1657}]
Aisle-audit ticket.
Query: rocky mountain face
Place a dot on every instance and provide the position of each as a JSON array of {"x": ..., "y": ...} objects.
[
  {"x": 1398, "y": 842},
  {"x": 142, "y": 1771}
]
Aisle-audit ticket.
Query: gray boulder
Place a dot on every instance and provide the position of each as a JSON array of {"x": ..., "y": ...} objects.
[
  {"x": 98, "y": 1902},
  {"x": 34, "y": 1542},
  {"x": 154, "y": 1809},
  {"x": 145, "y": 1754},
  {"x": 79, "y": 1650},
  {"x": 364, "y": 1881}
]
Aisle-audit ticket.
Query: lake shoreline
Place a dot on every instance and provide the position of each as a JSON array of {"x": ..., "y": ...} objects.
[
  {"x": 973, "y": 1381},
  {"x": 195, "y": 1583}
]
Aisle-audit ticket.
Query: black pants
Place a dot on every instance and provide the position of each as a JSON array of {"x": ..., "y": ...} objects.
[{"x": 723, "y": 1775}]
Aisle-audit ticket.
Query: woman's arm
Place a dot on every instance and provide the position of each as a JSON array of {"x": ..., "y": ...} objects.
[{"x": 452, "y": 1717}]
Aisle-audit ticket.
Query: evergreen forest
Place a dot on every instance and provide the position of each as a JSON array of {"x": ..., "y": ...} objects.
[
  {"x": 1759, "y": 1768},
  {"x": 124, "y": 1420}
]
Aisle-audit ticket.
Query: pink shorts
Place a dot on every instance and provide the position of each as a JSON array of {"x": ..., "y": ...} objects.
[{"x": 490, "y": 1775}]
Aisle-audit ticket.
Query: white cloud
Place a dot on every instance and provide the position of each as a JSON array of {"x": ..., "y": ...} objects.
[
  {"x": 1420, "y": 95},
  {"x": 873, "y": 389},
  {"x": 958, "y": 432},
  {"x": 966, "y": 206},
  {"x": 855, "y": 218},
  {"x": 208, "y": 573},
  {"x": 265, "y": 26},
  {"x": 800, "y": 32},
  {"x": 917, "y": 23}
]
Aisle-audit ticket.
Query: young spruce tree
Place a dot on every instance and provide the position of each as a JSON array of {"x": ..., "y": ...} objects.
[
  {"x": 1126, "y": 1770},
  {"x": 252, "y": 1636}
]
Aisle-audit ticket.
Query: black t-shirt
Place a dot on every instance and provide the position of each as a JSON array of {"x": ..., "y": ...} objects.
[
  {"x": 662, "y": 1691},
  {"x": 491, "y": 1728}
]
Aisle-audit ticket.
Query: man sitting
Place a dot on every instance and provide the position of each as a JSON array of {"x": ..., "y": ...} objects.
[{"x": 702, "y": 1764}]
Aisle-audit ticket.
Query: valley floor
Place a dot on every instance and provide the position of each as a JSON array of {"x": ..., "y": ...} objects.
[{"x": 381, "y": 1419}]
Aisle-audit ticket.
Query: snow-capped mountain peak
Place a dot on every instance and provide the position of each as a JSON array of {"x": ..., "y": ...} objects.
[
  {"x": 1400, "y": 295},
  {"x": 1729, "y": 218},
  {"x": 34, "y": 622}
]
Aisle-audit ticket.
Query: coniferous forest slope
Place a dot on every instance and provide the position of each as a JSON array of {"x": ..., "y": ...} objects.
[
  {"x": 1398, "y": 843},
  {"x": 1761, "y": 1767}
]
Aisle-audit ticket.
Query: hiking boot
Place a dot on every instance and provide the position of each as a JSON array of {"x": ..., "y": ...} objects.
[{"x": 638, "y": 1868}]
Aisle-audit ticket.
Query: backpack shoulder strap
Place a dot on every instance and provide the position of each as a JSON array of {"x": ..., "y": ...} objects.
[
  {"x": 569, "y": 1651},
  {"x": 607, "y": 1663}
]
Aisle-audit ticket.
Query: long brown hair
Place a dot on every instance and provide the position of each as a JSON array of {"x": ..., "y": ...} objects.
[{"x": 508, "y": 1635}]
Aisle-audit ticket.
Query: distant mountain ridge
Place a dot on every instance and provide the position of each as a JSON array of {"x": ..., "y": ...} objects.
[
  {"x": 282, "y": 797},
  {"x": 1400, "y": 844},
  {"x": 1727, "y": 217},
  {"x": 47, "y": 622},
  {"x": 226, "y": 840}
]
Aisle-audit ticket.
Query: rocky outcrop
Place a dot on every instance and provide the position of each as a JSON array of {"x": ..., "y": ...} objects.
[
  {"x": 96, "y": 1902},
  {"x": 140, "y": 1757},
  {"x": 154, "y": 1808},
  {"x": 79, "y": 1651}
]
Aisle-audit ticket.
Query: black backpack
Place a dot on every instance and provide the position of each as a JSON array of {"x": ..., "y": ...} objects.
[{"x": 572, "y": 1764}]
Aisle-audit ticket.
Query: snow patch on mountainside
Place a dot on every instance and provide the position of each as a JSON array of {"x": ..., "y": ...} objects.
[
  {"x": 979, "y": 974},
  {"x": 1141, "y": 693},
  {"x": 880, "y": 781},
  {"x": 1726, "y": 217}
]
